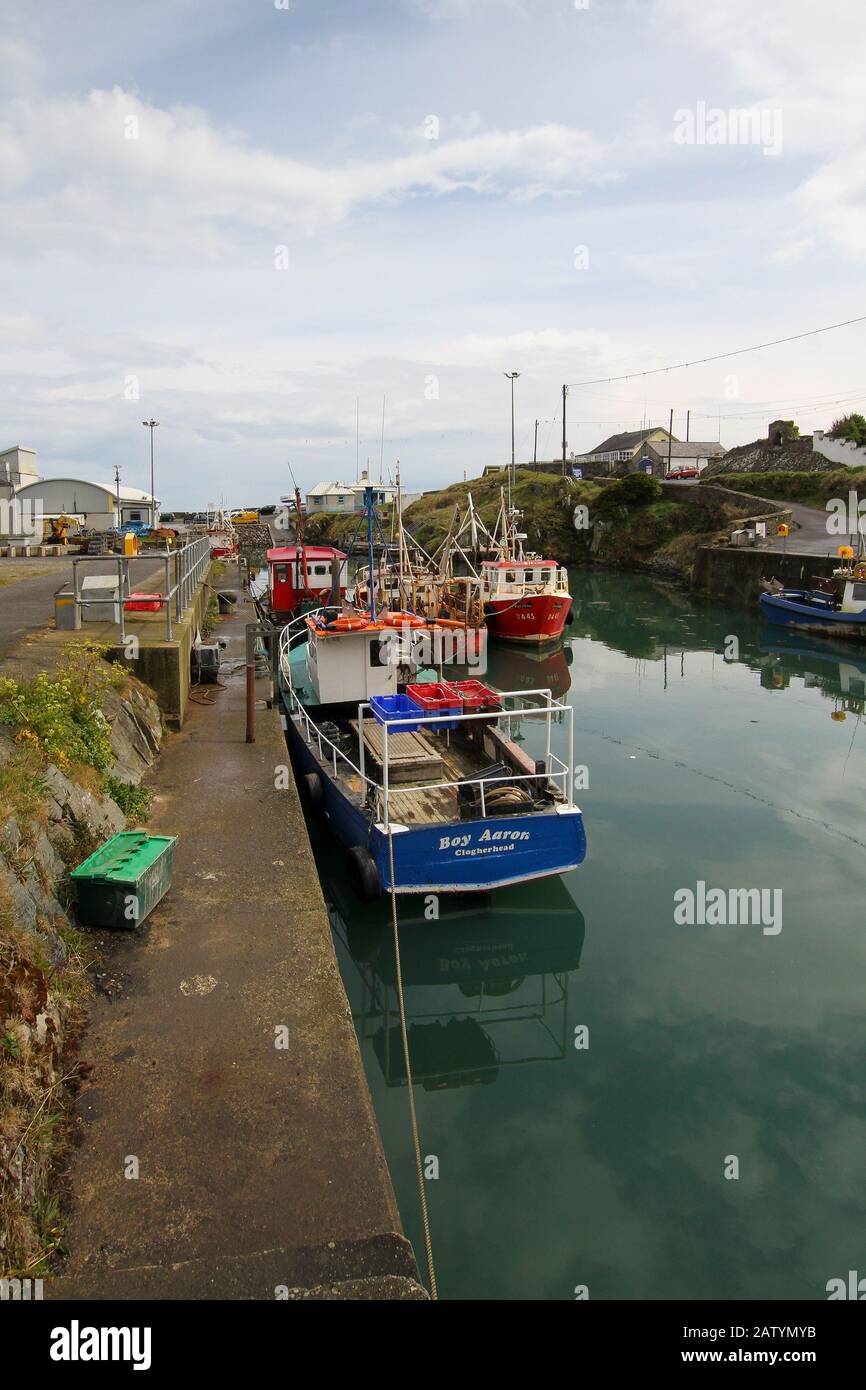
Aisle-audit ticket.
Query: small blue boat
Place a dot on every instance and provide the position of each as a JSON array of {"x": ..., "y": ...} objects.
[
  {"x": 837, "y": 609},
  {"x": 455, "y": 801}
]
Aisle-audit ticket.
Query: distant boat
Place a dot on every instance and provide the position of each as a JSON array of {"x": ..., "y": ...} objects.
[
  {"x": 523, "y": 596},
  {"x": 836, "y": 608}
]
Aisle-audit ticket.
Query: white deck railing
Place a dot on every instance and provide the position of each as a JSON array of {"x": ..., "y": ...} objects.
[{"x": 556, "y": 769}]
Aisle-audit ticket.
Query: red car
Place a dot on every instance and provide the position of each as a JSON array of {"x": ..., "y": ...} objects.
[{"x": 678, "y": 475}]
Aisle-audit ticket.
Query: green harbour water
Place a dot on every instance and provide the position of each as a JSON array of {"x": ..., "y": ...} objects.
[{"x": 604, "y": 1165}]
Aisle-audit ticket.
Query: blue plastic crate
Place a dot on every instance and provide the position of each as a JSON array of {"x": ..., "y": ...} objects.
[{"x": 388, "y": 708}]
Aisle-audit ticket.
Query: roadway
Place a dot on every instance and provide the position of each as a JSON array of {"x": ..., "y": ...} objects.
[{"x": 27, "y": 604}]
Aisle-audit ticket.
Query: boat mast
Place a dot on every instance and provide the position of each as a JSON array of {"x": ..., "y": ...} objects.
[
  {"x": 400, "y": 538},
  {"x": 368, "y": 499}
]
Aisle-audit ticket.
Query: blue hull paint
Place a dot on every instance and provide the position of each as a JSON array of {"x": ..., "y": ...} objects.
[
  {"x": 789, "y": 610},
  {"x": 460, "y": 857}
]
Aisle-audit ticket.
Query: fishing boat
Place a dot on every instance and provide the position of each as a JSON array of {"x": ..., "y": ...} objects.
[
  {"x": 419, "y": 777},
  {"x": 835, "y": 607},
  {"x": 302, "y": 577},
  {"x": 221, "y": 533},
  {"x": 523, "y": 596}
]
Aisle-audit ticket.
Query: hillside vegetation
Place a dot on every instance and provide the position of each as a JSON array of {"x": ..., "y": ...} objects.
[{"x": 813, "y": 489}]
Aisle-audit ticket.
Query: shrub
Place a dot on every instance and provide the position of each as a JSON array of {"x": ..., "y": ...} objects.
[
  {"x": 851, "y": 427},
  {"x": 133, "y": 801},
  {"x": 634, "y": 490},
  {"x": 60, "y": 715}
]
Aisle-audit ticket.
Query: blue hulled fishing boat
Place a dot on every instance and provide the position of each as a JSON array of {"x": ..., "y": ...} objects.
[
  {"x": 836, "y": 607},
  {"x": 422, "y": 780}
]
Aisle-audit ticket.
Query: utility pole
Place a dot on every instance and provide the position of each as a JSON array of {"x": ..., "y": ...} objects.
[
  {"x": 535, "y": 448},
  {"x": 512, "y": 377},
  {"x": 564, "y": 444},
  {"x": 670, "y": 439},
  {"x": 150, "y": 425},
  {"x": 117, "y": 490},
  {"x": 688, "y": 414}
]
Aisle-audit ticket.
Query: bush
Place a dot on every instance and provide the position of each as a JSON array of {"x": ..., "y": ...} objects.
[
  {"x": 634, "y": 490},
  {"x": 850, "y": 427},
  {"x": 133, "y": 801},
  {"x": 60, "y": 715}
]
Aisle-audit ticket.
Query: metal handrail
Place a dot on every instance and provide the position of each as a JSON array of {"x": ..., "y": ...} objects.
[
  {"x": 382, "y": 790},
  {"x": 190, "y": 563}
]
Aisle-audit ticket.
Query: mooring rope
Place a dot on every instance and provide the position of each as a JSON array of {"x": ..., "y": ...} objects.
[{"x": 431, "y": 1273}]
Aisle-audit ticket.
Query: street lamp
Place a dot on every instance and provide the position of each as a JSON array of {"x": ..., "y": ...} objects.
[
  {"x": 151, "y": 425},
  {"x": 512, "y": 377}
]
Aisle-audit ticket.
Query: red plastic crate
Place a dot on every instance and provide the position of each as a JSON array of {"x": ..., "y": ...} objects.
[
  {"x": 143, "y": 603},
  {"x": 435, "y": 698},
  {"x": 475, "y": 696}
]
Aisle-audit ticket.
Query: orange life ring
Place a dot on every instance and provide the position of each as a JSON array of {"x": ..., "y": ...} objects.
[
  {"x": 347, "y": 625},
  {"x": 403, "y": 620}
]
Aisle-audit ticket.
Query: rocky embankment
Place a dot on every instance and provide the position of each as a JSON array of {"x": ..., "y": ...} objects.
[{"x": 51, "y": 818}]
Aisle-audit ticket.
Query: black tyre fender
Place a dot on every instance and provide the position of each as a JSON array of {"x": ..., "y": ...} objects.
[
  {"x": 364, "y": 874},
  {"x": 312, "y": 784},
  {"x": 569, "y": 617}
]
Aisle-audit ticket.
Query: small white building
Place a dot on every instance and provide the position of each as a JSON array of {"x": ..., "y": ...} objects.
[
  {"x": 349, "y": 497},
  {"x": 331, "y": 497},
  {"x": 17, "y": 467}
]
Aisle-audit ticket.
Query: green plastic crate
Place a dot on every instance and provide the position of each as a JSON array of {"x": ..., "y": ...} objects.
[{"x": 124, "y": 880}]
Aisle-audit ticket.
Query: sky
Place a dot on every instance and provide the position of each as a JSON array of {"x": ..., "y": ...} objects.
[{"x": 259, "y": 220}]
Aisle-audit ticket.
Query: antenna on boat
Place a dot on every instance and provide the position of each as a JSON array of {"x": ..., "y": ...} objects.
[{"x": 382, "y": 445}]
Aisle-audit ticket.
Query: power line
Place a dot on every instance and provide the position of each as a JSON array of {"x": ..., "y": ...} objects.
[{"x": 719, "y": 356}]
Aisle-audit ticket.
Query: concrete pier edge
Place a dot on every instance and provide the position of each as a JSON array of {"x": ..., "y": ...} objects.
[{"x": 261, "y": 1172}]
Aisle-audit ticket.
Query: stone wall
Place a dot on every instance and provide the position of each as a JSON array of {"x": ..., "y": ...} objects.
[
  {"x": 839, "y": 451},
  {"x": 736, "y": 576}
]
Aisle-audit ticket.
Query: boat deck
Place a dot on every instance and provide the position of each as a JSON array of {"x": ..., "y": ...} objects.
[{"x": 416, "y": 759}]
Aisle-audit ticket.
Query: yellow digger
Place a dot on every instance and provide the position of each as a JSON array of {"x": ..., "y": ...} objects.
[{"x": 58, "y": 528}]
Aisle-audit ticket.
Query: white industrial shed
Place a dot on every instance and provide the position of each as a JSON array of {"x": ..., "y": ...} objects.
[{"x": 95, "y": 504}]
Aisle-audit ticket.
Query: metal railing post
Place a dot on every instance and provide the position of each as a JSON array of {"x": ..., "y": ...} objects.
[
  {"x": 167, "y": 600},
  {"x": 385, "y": 773},
  {"x": 76, "y": 595},
  {"x": 362, "y": 757},
  {"x": 122, "y": 599},
  {"x": 571, "y": 755}
]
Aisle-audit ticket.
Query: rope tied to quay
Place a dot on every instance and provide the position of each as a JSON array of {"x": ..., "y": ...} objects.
[{"x": 416, "y": 1140}]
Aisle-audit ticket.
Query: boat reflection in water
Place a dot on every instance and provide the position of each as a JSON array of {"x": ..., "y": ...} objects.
[
  {"x": 532, "y": 668},
  {"x": 835, "y": 671},
  {"x": 483, "y": 989}
]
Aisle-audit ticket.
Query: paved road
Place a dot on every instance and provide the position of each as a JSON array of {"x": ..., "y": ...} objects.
[
  {"x": 810, "y": 537},
  {"x": 28, "y": 605}
]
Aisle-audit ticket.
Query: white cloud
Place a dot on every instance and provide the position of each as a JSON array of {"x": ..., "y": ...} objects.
[{"x": 125, "y": 172}]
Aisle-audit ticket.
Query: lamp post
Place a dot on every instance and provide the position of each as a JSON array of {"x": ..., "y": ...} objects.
[
  {"x": 151, "y": 425},
  {"x": 512, "y": 377}
]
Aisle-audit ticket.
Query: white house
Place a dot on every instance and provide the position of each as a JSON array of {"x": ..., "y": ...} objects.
[
  {"x": 348, "y": 497},
  {"x": 331, "y": 497}
]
